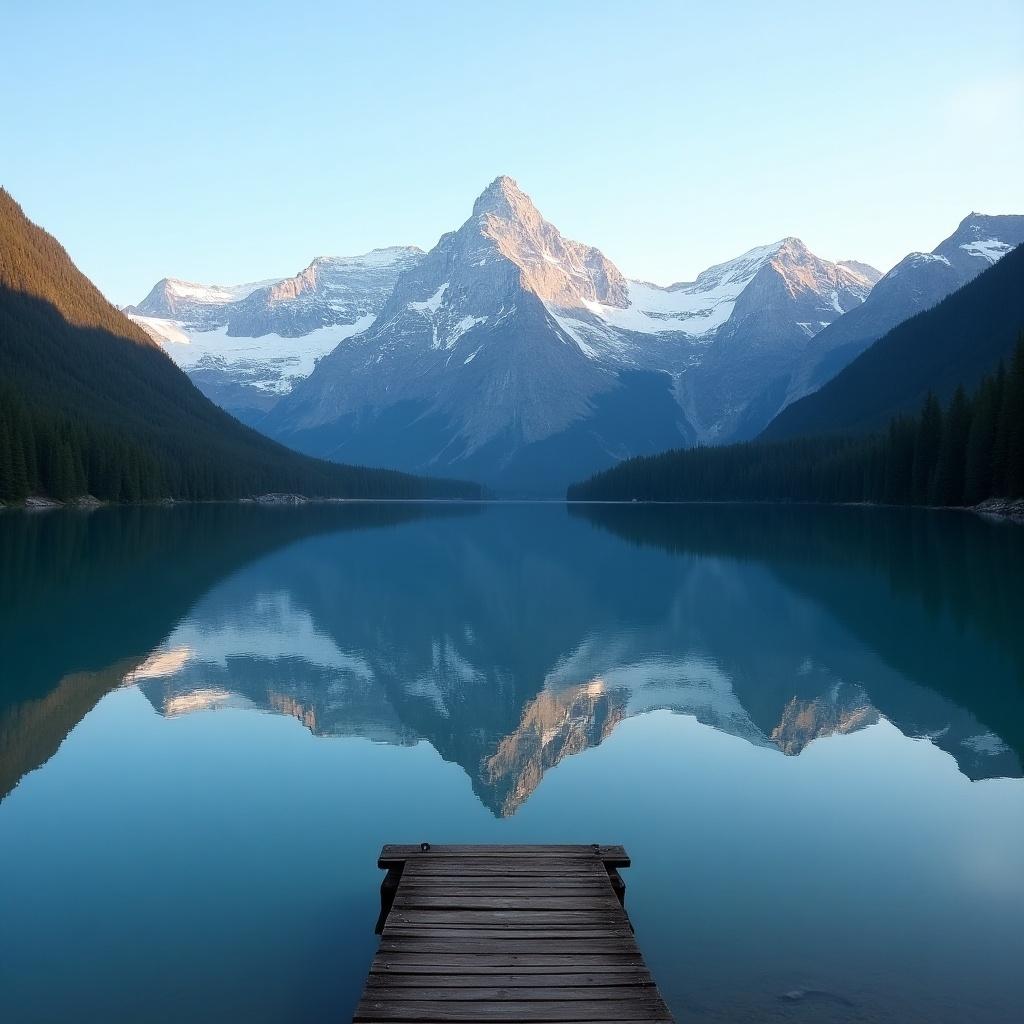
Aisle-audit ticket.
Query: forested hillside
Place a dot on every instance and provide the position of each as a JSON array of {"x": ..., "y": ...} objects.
[
  {"x": 953, "y": 344},
  {"x": 958, "y": 454},
  {"x": 90, "y": 405}
]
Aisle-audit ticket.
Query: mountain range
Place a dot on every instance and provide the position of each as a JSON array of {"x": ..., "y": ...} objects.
[
  {"x": 91, "y": 405},
  {"x": 952, "y": 344},
  {"x": 513, "y": 355},
  {"x": 246, "y": 345},
  {"x": 919, "y": 281}
]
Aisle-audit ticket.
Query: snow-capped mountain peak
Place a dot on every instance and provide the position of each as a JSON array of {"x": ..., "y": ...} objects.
[
  {"x": 507, "y": 337},
  {"x": 246, "y": 345},
  {"x": 979, "y": 241},
  {"x": 699, "y": 309},
  {"x": 172, "y": 296},
  {"x": 559, "y": 271}
]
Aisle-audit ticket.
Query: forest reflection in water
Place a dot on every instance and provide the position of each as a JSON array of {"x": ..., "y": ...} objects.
[{"x": 511, "y": 637}]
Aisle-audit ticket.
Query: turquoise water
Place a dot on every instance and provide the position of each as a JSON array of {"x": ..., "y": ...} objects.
[{"x": 805, "y": 725}]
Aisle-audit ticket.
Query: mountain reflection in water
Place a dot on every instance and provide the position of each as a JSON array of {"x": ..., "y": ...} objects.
[{"x": 512, "y": 637}]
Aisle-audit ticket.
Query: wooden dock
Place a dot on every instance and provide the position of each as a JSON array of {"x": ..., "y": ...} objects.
[{"x": 506, "y": 933}]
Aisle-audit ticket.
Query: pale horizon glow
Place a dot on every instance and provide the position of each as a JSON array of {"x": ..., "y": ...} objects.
[{"x": 236, "y": 142}]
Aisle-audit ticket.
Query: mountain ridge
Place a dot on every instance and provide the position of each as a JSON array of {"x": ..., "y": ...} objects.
[
  {"x": 507, "y": 335},
  {"x": 92, "y": 405},
  {"x": 512, "y": 353},
  {"x": 917, "y": 282},
  {"x": 951, "y": 344}
]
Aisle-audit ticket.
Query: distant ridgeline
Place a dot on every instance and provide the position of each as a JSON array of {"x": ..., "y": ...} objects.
[
  {"x": 898, "y": 425},
  {"x": 89, "y": 404}
]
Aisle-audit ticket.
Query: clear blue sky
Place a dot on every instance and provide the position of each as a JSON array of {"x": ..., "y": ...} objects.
[{"x": 224, "y": 143}]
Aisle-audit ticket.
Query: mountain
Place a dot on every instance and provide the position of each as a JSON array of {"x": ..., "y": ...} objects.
[
  {"x": 512, "y": 354},
  {"x": 785, "y": 298},
  {"x": 917, "y": 282},
  {"x": 89, "y": 403},
  {"x": 954, "y": 343},
  {"x": 246, "y": 345}
]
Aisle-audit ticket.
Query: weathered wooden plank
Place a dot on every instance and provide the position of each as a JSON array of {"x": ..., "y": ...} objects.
[
  {"x": 497, "y": 883},
  {"x": 541, "y": 1010},
  {"x": 579, "y": 943},
  {"x": 412, "y": 890},
  {"x": 625, "y": 1007},
  {"x": 530, "y": 918},
  {"x": 505, "y": 866},
  {"x": 550, "y": 932},
  {"x": 403, "y": 851},
  {"x": 491, "y": 963},
  {"x": 543, "y": 900},
  {"x": 477, "y": 994},
  {"x": 610, "y": 979},
  {"x": 583, "y": 870}
]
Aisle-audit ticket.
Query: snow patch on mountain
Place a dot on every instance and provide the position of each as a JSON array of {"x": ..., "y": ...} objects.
[
  {"x": 917, "y": 258},
  {"x": 213, "y": 294},
  {"x": 433, "y": 304},
  {"x": 696, "y": 310},
  {"x": 270, "y": 363},
  {"x": 246, "y": 345},
  {"x": 165, "y": 332},
  {"x": 700, "y": 308},
  {"x": 991, "y": 249},
  {"x": 467, "y": 323}
]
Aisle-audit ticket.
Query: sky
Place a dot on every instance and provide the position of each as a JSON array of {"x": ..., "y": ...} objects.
[{"x": 222, "y": 142}]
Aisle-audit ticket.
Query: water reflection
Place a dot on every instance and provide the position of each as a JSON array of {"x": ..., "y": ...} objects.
[
  {"x": 86, "y": 600},
  {"x": 514, "y": 637}
]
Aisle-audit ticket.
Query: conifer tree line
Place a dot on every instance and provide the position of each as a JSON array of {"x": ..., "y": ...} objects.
[
  {"x": 64, "y": 457},
  {"x": 960, "y": 455}
]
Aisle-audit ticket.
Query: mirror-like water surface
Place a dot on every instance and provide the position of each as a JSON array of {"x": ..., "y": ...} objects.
[{"x": 805, "y": 725}]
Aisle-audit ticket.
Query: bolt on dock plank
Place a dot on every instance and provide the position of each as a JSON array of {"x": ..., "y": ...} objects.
[{"x": 506, "y": 933}]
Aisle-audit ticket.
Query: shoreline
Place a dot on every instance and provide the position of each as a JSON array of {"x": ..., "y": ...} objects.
[{"x": 995, "y": 509}]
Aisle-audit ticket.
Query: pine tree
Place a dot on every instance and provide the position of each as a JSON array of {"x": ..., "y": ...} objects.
[
  {"x": 948, "y": 484},
  {"x": 981, "y": 442},
  {"x": 899, "y": 462},
  {"x": 926, "y": 449},
  {"x": 1012, "y": 426}
]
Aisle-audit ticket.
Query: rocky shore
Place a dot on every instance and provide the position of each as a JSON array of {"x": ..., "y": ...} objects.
[{"x": 1002, "y": 508}]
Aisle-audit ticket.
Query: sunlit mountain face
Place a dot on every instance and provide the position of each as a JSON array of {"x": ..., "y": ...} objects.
[{"x": 518, "y": 637}]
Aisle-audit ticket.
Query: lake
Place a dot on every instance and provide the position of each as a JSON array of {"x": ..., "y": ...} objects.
[{"x": 806, "y": 725}]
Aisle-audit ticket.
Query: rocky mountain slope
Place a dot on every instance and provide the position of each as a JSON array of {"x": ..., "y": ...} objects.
[
  {"x": 90, "y": 405},
  {"x": 953, "y": 344},
  {"x": 512, "y": 354},
  {"x": 919, "y": 281},
  {"x": 246, "y": 345}
]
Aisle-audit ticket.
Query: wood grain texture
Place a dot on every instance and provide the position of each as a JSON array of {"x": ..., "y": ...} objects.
[{"x": 506, "y": 933}]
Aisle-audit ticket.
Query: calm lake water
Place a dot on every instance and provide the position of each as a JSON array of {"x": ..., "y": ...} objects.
[{"x": 805, "y": 725}]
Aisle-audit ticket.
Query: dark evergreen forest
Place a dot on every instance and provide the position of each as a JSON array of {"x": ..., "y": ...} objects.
[
  {"x": 89, "y": 404},
  {"x": 959, "y": 454}
]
